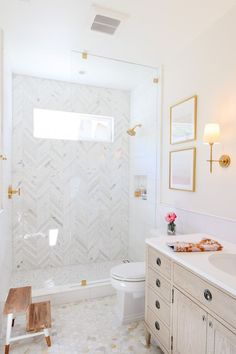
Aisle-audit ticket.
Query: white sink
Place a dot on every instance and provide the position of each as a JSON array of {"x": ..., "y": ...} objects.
[{"x": 226, "y": 262}]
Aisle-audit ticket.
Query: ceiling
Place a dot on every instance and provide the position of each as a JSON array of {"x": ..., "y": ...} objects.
[{"x": 41, "y": 35}]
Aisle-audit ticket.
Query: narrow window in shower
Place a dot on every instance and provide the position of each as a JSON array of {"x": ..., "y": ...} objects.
[{"x": 61, "y": 125}]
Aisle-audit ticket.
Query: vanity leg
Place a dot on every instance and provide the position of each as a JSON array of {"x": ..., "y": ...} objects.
[{"x": 147, "y": 337}]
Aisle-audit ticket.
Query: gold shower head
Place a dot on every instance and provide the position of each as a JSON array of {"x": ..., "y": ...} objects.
[{"x": 132, "y": 131}]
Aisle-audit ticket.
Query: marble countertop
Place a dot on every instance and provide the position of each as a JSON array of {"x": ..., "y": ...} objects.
[{"x": 198, "y": 262}]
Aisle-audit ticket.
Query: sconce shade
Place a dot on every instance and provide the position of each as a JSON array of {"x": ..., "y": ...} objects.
[{"x": 211, "y": 134}]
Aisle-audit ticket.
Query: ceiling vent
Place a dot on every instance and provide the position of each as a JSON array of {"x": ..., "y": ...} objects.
[
  {"x": 105, "y": 24},
  {"x": 105, "y": 20}
]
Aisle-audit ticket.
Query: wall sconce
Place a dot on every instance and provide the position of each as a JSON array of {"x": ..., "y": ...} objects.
[{"x": 211, "y": 137}]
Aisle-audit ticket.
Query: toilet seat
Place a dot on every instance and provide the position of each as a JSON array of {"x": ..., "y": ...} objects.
[{"x": 129, "y": 272}]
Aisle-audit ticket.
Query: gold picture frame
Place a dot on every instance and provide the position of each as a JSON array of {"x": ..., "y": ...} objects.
[
  {"x": 182, "y": 169},
  {"x": 183, "y": 121}
]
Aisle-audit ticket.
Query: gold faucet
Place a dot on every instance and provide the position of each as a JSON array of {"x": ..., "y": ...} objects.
[{"x": 12, "y": 192}]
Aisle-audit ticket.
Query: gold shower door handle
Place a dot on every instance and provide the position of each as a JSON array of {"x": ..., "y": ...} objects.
[
  {"x": 3, "y": 157},
  {"x": 12, "y": 192}
]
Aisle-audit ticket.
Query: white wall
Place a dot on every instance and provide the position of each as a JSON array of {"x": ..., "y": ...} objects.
[
  {"x": 143, "y": 161},
  {"x": 5, "y": 214},
  {"x": 206, "y": 68}
]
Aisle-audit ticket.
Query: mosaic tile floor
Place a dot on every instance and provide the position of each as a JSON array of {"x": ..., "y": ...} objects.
[{"x": 88, "y": 327}]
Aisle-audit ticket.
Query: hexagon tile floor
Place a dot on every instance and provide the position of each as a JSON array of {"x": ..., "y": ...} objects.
[{"x": 87, "y": 327}]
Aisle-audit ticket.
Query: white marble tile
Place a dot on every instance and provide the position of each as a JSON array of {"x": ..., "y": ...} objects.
[
  {"x": 50, "y": 277},
  {"x": 80, "y": 188},
  {"x": 88, "y": 327}
]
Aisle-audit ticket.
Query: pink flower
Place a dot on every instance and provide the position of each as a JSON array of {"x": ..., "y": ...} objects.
[{"x": 170, "y": 217}]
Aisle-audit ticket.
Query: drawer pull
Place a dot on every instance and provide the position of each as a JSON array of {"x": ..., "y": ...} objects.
[
  {"x": 157, "y": 326},
  {"x": 158, "y": 283},
  {"x": 159, "y": 261},
  {"x": 207, "y": 295},
  {"x": 158, "y": 306}
]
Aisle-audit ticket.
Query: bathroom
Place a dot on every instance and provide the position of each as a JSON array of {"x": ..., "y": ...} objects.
[{"x": 94, "y": 170}]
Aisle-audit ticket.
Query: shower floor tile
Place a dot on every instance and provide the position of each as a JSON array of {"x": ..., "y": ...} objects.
[
  {"x": 51, "y": 277},
  {"x": 87, "y": 327}
]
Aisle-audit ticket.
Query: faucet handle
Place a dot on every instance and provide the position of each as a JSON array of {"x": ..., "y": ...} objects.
[
  {"x": 3, "y": 157},
  {"x": 12, "y": 192}
]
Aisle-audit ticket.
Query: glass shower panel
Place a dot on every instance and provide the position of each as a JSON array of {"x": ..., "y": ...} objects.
[{"x": 71, "y": 222}]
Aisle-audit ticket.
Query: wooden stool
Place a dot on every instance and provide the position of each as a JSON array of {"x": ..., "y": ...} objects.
[{"x": 38, "y": 315}]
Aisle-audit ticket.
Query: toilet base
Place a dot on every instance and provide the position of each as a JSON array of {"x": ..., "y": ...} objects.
[{"x": 130, "y": 307}]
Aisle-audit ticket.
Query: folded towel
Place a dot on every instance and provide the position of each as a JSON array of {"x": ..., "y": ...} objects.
[{"x": 206, "y": 244}]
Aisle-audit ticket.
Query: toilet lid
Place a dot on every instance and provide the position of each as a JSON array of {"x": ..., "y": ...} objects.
[{"x": 129, "y": 271}]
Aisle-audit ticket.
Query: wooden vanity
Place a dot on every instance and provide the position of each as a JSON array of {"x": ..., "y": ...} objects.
[{"x": 187, "y": 310}]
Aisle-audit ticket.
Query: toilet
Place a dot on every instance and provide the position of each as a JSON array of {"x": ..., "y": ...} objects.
[{"x": 129, "y": 281}]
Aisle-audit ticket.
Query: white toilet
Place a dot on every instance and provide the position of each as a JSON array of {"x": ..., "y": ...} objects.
[{"x": 129, "y": 281}]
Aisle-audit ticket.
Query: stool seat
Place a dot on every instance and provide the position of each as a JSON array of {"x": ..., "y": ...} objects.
[{"x": 18, "y": 300}]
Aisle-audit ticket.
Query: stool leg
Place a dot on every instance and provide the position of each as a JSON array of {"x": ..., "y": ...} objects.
[
  {"x": 7, "y": 349},
  {"x": 47, "y": 337},
  {"x": 8, "y": 333}
]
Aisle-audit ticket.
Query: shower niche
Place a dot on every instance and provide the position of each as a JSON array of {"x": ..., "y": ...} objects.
[{"x": 140, "y": 187}]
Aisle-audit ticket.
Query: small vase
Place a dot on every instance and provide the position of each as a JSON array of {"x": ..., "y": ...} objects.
[{"x": 171, "y": 229}]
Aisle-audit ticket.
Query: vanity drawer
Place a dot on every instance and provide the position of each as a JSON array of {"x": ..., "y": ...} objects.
[
  {"x": 214, "y": 299},
  {"x": 159, "y": 263},
  {"x": 159, "y": 329},
  {"x": 159, "y": 284},
  {"x": 159, "y": 307}
]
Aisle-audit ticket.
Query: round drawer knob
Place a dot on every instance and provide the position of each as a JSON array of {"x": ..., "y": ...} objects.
[
  {"x": 158, "y": 283},
  {"x": 207, "y": 295},
  {"x": 159, "y": 261},
  {"x": 157, "y": 325},
  {"x": 210, "y": 324},
  {"x": 158, "y": 304}
]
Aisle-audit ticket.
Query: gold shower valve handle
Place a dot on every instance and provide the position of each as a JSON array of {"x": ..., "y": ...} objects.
[
  {"x": 3, "y": 157},
  {"x": 12, "y": 192}
]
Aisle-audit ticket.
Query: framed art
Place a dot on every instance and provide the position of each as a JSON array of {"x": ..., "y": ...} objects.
[
  {"x": 182, "y": 169},
  {"x": 183, "y": 121}
]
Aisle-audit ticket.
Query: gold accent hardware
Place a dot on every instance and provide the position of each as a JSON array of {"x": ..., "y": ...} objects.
[
  {"x": 12, "y": 192},
  {"x": 131, "y": 131},
  {"x": 3, "y": 157},
  {"x": 155, "y": 80},
  {"x": 224, "y": 160},
  {"x": 83, "y": 282},
  {"x": 85, "y": 55}
]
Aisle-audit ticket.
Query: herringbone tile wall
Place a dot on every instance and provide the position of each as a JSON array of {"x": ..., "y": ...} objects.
[{"x": 80, "y": 188}]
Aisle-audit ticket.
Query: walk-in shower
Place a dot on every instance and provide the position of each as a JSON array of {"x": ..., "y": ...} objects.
[{"x": 74, "y": 163}]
